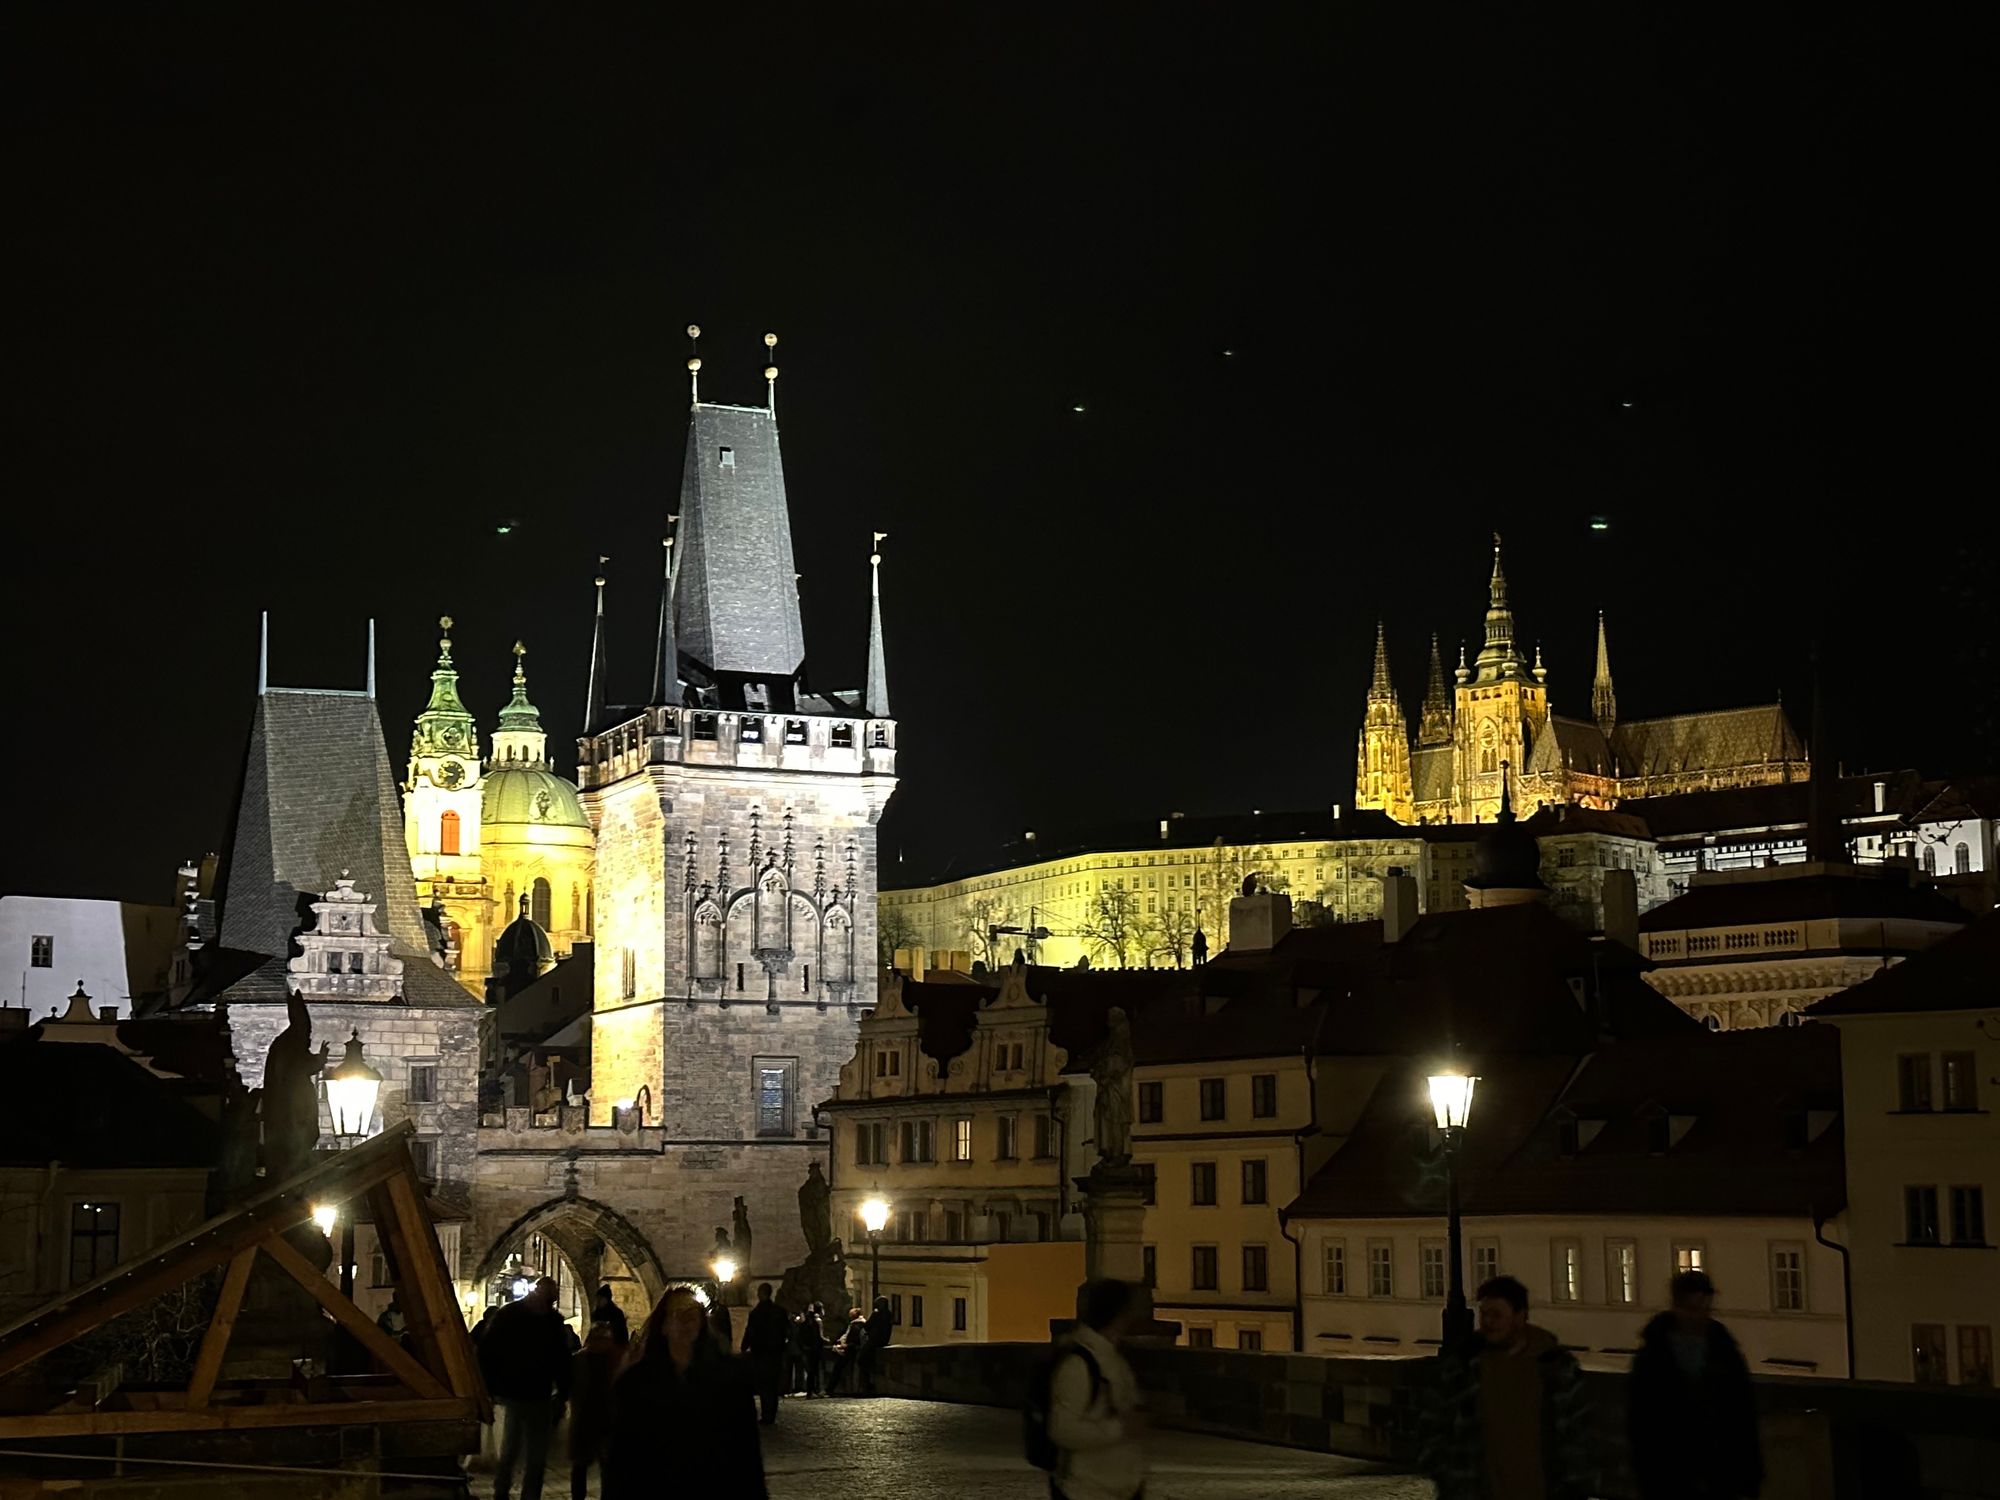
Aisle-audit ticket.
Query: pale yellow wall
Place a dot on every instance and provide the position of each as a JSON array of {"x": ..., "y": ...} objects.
[
  {"x": 1736, "y": 1253},
  {"x": 1174, "y": 1224},
  {"x": 1896, "y": 1287}
]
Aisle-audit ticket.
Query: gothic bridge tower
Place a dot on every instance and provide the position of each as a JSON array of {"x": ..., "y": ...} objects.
[{"x": 736, "y": 814}]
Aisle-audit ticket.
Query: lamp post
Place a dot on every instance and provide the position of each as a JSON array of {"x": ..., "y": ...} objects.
[
  {"x": 874, "y": 1217},
  {"x": 1451, "y": 1102},
  {"x": 351, "y": 1088}
]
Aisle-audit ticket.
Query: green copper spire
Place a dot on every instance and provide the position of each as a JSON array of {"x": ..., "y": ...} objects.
[
  {"x": 445, "y": 727},
  {"x": 520, "y": 715}
]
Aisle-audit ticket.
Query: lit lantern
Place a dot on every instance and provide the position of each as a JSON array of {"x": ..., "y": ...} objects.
[{"x": 350, "y": 1093}]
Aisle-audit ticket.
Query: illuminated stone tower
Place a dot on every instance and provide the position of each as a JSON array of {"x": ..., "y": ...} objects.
[
  {"x": 1502, "y": 704},
  {"x": 441, "y": 822},
  {"x": 736, "y": 854},
  {"x": 1382, "y": 768}
]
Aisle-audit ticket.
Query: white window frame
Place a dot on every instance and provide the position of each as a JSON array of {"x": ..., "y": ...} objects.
[
  {"x": 1620, "y": 1258},
  {"x": 961, "y": 1139},
  {"x": 1387, "y": 1263},
  {"x": 1333, "y": 1268},
  {"x": 1566, "y": 1271},
  {"x": 1798, "y": 1303},
  {"x": 1431, "y": 1256}
]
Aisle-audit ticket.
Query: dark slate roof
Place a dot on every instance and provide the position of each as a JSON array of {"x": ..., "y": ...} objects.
[
  {"x": 1711, "y": 741},
  {"x": 91, "y": 1106},
  {"x": 1961, "y": 973},
  {"x": 1801, "y": 898},
  {"x": 1777, "y": 805},
  {"x": 1569, "y": 744},
  {"x": 736, "y": 596},
  {"x": 318, "y": 801},
  {"x": 1554, "y": 822},
  {"x": 1755, "y": 1113},
  {"x": 1430, "y": 773}
]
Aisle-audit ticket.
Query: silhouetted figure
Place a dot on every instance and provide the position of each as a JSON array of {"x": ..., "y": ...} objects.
[
  {"x": 606, "y": 1310},
  {"x": 525, "y": 1358},
  {"x": 683, "y": 1420},
  {"x": 1693, "y": 1416},
  {"x": 767, "y": 1333},
  {"x": 878, "y": 1331},
  {"x": 591, "y": 1369},
  {"x": 812, "y": 1349}
]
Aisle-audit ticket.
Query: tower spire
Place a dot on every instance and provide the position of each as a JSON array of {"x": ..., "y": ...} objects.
[
  {"x": 1603, "y": 701},
  {"x": 1382, "y": 760},
  {"x": 666, "y": 655},
  {"x": 519, "y": 737},
  {"x": 876, "y": 699},
  {"x": 1499, "y": 659},
  {"x": 593, "y": 703},
  {"x": 263, "y": 652},
  {"x": 1380, "y": 689},
  {"x": 1434, "y": 726},
  {"x": 371, "y": 657}
]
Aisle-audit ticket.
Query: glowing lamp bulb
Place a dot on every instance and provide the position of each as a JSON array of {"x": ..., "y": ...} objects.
[
  {"x": 325, "y": 1215},
  {"x": 725, "y": 1269},
  {"x": 875, "y": 1215},
  {"x": 1451, "y": 1099}
]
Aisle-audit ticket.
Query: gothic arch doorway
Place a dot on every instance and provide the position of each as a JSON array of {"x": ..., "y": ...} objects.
[{"x": 584, "y": 1244}]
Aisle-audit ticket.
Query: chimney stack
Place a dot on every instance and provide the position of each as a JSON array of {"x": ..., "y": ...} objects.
[
  {"x": 1258, "y": 922},
  {"x": 1399, "y": 904},
  {"x": 1621, "y": 908}
]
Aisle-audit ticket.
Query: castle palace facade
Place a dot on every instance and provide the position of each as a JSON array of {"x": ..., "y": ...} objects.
[{"x": 1494, "y": 724}]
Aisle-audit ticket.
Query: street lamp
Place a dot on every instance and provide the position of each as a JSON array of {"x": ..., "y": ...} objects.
[
  {"x": 350, "y": 1093},
  {"x": 725, "y": 1271},
  {"x": 325, "y": 1215},
  {"x": 1451, "y": 1102},
  {"x": 874, "y": 1218}
]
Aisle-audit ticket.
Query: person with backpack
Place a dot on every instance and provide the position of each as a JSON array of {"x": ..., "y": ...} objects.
[{"x": 1084, "y": 1422}]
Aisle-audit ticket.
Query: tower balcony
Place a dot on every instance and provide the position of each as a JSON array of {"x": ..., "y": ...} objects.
[{"x": 738, "y": 739}]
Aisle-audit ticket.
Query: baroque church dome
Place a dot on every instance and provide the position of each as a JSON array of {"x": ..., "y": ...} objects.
[{"x": 531, "y": 795}]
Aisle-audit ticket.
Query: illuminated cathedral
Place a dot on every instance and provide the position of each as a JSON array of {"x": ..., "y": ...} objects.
[{"x": 1493, "y": 723}]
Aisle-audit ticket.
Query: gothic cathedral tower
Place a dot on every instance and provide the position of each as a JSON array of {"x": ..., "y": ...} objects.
[
  {"x": 1502, "y": 705},
  {"x": 441, "y": 823},
  {"x": 1382, "y": 769},
  {"x": 736, "y": 854}
]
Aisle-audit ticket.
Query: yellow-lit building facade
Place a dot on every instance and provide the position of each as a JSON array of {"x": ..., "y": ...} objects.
[
  {"x": 487, "y": 834},
  {"x": 975, "y": 1155}
]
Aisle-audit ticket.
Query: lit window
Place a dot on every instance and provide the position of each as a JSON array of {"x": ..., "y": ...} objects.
[
  {"x": 961, "y": 1140},
  {"x": 1689, "y": 1257},
  {"x": 1333, "y": 1268},
  {"x": 1566, "y": 1284},
  {"x": 1621, "y": 1267},
  {"x": 1961, "y": 1081}
]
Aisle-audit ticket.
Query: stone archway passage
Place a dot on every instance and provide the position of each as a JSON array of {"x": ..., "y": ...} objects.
[{"x": 572, "y": 1225}]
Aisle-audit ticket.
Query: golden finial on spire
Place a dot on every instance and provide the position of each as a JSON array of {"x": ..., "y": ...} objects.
[
  {"x": 875, "y": 548},
  {"x": 444, "y": 640}
]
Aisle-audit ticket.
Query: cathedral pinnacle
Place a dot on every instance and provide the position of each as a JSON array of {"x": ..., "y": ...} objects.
[
  {"x": 1434, "y": 726},
  {"x": 1380, "y": 689},
  {"x": 876, "y": 698},
  {"x": 1603, "y": 701},
  {"x": 520, "y": 716},
  {"x": 666, "y": 653},
  {"x": 1499, "y": 660}
]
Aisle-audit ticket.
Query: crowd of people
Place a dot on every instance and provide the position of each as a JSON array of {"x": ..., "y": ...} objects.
[{"x": 674, "y": 1395}]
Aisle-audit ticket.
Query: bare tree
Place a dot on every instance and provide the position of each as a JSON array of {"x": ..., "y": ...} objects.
[
  {"x": 1223, "y": 870},
  {"x": 982, "y": 915},
  {"x": 1171, "y": 933},
  {"x": 1111, "y": 927},
  {"x": 893, "y": 930}
]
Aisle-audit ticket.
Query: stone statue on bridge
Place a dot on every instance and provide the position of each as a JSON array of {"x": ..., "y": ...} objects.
[
  {"x": 289, "y": 1103},
  {"x": 1112, "y": 1072},
  {"x": 816, "y": 1211}
]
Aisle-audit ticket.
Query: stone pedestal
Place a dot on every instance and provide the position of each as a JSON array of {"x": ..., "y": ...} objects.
[{"x": 1114, "y": 1217}]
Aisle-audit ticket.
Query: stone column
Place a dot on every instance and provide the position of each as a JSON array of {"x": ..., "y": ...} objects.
[{"x": 1114, "y": 1217}]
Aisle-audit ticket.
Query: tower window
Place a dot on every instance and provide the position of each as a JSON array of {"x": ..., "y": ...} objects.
[
  {"x": 726, "y": 457},
  {"x": 448, "y": 833},
  {"x": 739, "y": 976},
  {"x": 541, "y": 902},
  {"x": 42, "y": 951}
]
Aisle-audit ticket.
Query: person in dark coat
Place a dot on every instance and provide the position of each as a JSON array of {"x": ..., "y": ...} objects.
[
  {"x": 1692, "y": 1416},
  {"x": 847, "y": 1351},
  {"x": 524, "y": 1356},
  {"x": 591, "y": 1369},
  {"x": 881, "y": 1329},
  {"x": 683, "y": 1416},
  {"x": 812, "y": 1348},
  {"x": 605, "y": 1310},
  {"x": 767, "y": 1332}
]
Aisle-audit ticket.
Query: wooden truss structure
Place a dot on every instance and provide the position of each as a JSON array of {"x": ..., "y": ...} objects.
[{"x": 436, "y": 1380}]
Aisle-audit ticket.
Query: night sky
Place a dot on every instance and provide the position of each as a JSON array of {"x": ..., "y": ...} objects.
[{"x": 302, "y": 312}]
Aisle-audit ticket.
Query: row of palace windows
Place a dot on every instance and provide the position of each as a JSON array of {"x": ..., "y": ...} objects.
[
  {"x": 918, "y": 1140},
  {"x": 1918, "y": 1072},
  {"x": 1214, "y": 1097},
  {"x": 1376, "y": 1275}
]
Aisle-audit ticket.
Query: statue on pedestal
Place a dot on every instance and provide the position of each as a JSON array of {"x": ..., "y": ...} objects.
[
  {"x": 822, "y": 1276},
  {"x": 816, "y": 1212},
  {"x": 740, "y": 1238},
  {"x": 289, "y": 1103},
  {"x": 1112, "y": 1072}
]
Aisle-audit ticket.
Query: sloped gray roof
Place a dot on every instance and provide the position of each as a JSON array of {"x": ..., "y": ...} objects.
[
  {"x": 318, "y": 802},
  {"x": 1713, "y": 741},
  {"x": 1569, "y": 744},
  {"x": 1430, "y": 773},
  {"x": 736, "y": 598}
]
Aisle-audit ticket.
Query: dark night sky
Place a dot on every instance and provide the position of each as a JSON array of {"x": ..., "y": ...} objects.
[{"x": 302, "y": 309}]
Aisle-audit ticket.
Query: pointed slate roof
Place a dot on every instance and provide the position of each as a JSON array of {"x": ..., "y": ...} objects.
[
  {"x": 877, "y": 696},
  {"x": 737, "y": 602},
  {"x": 318, "y": 802}
]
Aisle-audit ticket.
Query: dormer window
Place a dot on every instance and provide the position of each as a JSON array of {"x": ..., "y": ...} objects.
[{"x": 726, "y": 457}]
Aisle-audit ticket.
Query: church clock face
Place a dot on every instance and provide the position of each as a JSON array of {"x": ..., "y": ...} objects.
[{"x": 450, "y": 774}]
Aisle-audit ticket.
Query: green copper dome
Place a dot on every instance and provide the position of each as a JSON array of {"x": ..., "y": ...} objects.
[{"x": 530, "y": 795}]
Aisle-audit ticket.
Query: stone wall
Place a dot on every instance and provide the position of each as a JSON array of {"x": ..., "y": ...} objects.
[{"x": 1823, "y": 1439}]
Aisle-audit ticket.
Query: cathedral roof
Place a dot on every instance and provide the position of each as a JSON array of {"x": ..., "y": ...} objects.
[
  {"x": 533, "y": 796},
  {"x": 1713, "y": 741},
  {"x": 319, "y": 803},
  {"x": 1569, "y": 744},
  {"x": 1431, "y": 773}
]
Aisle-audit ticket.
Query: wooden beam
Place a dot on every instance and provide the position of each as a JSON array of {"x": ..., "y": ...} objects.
[
  {"x": 409, "y": 1294},
  {"x": 428, "y": 1270},
  {"x": 215, "y": 1342},
  {"x": 356, "y": 1322},
  {"x": 227, "y": 1418},
  {"x": 212, "y": 1244}
]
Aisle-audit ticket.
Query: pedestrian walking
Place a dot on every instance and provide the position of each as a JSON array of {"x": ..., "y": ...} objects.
[
  {"x": 525, "y": 1358},
  {"x": 591, "y": 1370},
  {"x": 880, "y": 1330},
  {"x": 1692, "y": 1416},
  {"x": 812, "y": 1347},
  {"x": 767, "y": 1333},
  {"x": 683, "y": 1417},
  {"x": 606, "y": 1310},
  {"x": 1506, "y": 1418},
  {"x": 847, "y": 1352},
  {"x": 1086, "y": 1423}
]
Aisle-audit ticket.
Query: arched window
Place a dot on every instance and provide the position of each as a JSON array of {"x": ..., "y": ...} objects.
[
  {"x": 448, "y": 833},
  {"x": 1961, "y": 860},
  {"x": 1930, "y": 859},
  {"x": 540, "y": 902},
  {"x": 576, "y": 908}
]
